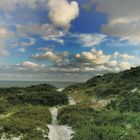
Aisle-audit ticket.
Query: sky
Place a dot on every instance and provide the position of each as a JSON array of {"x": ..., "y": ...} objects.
[{"x": 67, "y": 40}]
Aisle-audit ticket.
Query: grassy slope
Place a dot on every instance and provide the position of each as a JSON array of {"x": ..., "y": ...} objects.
[
  {"x": 25, "y": 120},
  {"x": 108, "y": 108},
  {"x": 25, "y": 111}
]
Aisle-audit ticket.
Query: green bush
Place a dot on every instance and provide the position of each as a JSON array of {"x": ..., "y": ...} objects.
[
  {"x": 25, "y": 121},
  {"x": 39, "y": 98},
  {"x": 89, "y": 124}
]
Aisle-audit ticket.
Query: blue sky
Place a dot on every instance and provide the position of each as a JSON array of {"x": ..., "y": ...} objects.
[{"x": 67, "y": 40}]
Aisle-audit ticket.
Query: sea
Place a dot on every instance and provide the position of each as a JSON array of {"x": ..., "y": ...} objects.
[{"x": 5, "y": 84}]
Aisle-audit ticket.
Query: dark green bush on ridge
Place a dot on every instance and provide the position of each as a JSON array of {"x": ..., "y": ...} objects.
[
  {"x": 39, "y": 98},
  {"x": 42, "y": 94}
]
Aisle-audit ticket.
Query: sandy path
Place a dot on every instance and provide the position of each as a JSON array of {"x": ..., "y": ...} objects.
[
  {"x": 71, "y": 101},
  {"x": 58, "y": 132}
]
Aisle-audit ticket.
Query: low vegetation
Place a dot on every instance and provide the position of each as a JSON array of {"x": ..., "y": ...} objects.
[
  {"x": 90, "y": 124},
  {"x": 29, "y": 122},
  {"x": 24, "y": 112},
  {"x": 108, "y": 108},
  {"x": 119, "y": 119},
  {"x": 35, "y": 95}
]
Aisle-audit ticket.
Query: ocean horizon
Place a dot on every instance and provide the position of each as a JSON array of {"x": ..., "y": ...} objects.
[{"x": 57, "y": 84}]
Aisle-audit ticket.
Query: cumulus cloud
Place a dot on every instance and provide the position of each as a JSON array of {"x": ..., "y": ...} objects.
[
  {"x": 7, "y": 5},
  {"x": 62, "y": 12},
  {"x": 24, "y": 36},
  {"x": 90, "y": 40},
  {"x": 123, "y": 56},
  {"x": 90, "y": 63},
  {"x": 30, "y": 42},
  {"x": 80, "y": 66},
  {"x": 124, "y": 65},
  {"x": 123, "y": 18},
  {"x": 50, "y": 56},
  {"x": 5, "y": 34},
  {"x": 86, "y": 62},
  {"x": 27, "y": 65},
  {"x": 94, "y": 56},
  {"x": 20, "y": 43},
  {"x": 97, "y": 60},
  {"x": 46, "y": 31}
]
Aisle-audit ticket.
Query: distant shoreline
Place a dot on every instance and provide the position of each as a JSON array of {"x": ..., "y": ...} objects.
[{"x": 6, "y": 84}]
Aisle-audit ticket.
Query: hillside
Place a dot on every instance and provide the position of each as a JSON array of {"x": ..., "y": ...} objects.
[
  {"x": 108, "y": 107},
  {"x": 25, "y": 113},
  {"x": 105, "y": 107},
  {"x": 109, "y": 87}
]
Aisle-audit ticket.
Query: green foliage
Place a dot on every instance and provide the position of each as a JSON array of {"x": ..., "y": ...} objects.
[
  {"x": 39, "y": 98},
  {"x": 101, "y": 125},
  {"x": 25, "y": 121},
  {"x": 119, "y": 120},
  {"x": 24, "y": 111},
  {"x": 36, "y": 95},
  {"x": 129, "y": 101},
  {"x": 111, "y": 84},
  {"x": 4, "y": 105}
]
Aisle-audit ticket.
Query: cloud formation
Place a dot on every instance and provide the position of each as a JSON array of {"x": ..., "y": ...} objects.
[
  {"x": 3, "y": 50},
  {"x": 123, "y": 18},
  {"x": 90, "y": 40},
  {"x": 62, "y": 13},
  {"x": 5, "y": 35},
  {"x": 78, "y": 67},
  {"x": 28, "y": 65},
  {"x": 50, "y": 56},
  {"x": 46, "y": 31},
  {"x": 7, "y": 5},
  {"x": 96, "y": 59},
  {"x": 77, "y": 53}
]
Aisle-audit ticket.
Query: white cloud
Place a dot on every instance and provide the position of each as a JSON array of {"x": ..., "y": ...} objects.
[
  {"x": 94, "y": 56},
  {"x": 22, "y": 50},
  {"x": 55, "y": 39},
  {"x": 3, "y": 50},
  {"x": 90, "y": 40},
  {"x": 61, "y": 12},
  {"x": 26, "y": 44},
  {"x": 51, "y": 56},
  {"x": 123, "y": 56},
  {"x": 18, "y": 43},
  {"x": 24, "y": 36},
  {"x": 7, "y": 5},
  {"x": 27, "y": 65},
  {"x": 46, "y": 31},
  {"x": 98, "y": 61},
  {"x": 123, "y": 18},
  {"x": 93, "y": 61},
  {"x": 5, "y": 34},
  {"x": 125, "y": 65}
]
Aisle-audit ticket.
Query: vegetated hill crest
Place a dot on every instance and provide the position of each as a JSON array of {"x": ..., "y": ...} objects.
[
  {"x": 107, "y": 87},
  {"x": 108, "y": 107}
]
